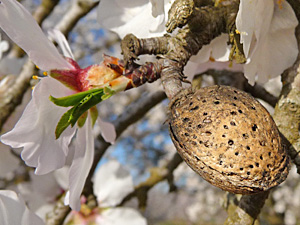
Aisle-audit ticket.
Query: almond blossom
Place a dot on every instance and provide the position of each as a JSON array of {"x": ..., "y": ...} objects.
[
  {"x": 112, "y": 183},
  {"x": 267, "y": 30},
  {"x": 36, "y": 131},
  {"x": 143, "y": 18}
]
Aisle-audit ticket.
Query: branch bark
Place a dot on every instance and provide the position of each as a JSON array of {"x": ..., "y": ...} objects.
[{"x": 287, "y": 110}]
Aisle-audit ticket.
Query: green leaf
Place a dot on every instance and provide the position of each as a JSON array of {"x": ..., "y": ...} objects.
[
  {"x": 63, "y": 123},
  {"x": 72, "y": 115},
  {"x": 72, "y": 100},
  {"x": 82, "y": 119},
  {"x": 94, "y": 114}
]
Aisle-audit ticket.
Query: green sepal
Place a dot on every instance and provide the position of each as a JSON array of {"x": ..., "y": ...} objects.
[
  {"x": 108, "y": 93},
  {"x": 81, "y": 120},
  {"x": 72, "y": 100},
  {"x": 63, "y": 123},
  {"x": 94, "y": 114},
  {"x": 72, "y": 115}
]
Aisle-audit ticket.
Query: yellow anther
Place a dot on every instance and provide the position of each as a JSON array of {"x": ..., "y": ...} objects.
[
  {"x": 279, "y": 3},
  {"x": 37, "y": 67},
  {"x": 45, "y": 73},
  {"x": 35, "y": 77},
  {"x": 32, "y": 87},
  {"x": 237, "y": 31}
]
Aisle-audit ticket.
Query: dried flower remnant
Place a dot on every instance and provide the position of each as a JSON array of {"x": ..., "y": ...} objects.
[{"x": 229, "y": 138}]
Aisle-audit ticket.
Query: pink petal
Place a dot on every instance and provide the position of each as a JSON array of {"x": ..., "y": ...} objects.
[{"x": 21, "y": 27}]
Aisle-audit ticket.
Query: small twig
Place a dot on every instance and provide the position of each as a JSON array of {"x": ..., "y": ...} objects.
[
  {"x": 238, "y": 80},
  {"x": 246, "y": 210},
  {"x": 131, "y": 114},
  {"x": 157, "y": 174}
]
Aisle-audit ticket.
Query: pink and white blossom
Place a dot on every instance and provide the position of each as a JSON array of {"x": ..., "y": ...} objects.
[
  {"x": 267, "y": 30},
  {"x": 35, "y": 131}
]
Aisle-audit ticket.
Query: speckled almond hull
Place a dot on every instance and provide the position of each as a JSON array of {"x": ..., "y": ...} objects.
[{"x": 229, "y": 138}]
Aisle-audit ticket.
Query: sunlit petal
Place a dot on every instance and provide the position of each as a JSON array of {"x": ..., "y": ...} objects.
[
  {"x": 139, "y": 17},
  {"x": 112, "y": 183},
  {"x": 21, "y": 27},
  {"x": 108, "y": 131},
  {"x": 61, "y": 40},
  {"x": 217, "y": 50},
  {"x": 35, "y": 131},
  {"x": 269, "y": 40},
  {"x": 121, "y": 216},
  {"x": 81, "y": 164}
]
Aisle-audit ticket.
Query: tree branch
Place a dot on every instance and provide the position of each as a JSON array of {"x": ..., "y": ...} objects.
[
  {"x": 157, "y": 174},
  {"x": 131, "y": 114},
  {"x": 287, "y": 110}
]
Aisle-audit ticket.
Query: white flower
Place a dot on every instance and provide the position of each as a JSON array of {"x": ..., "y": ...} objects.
[
  {"x": 13, "y": 210},
  {"x": 267, "y": 30},
  {"x": 266, "y": 27},
  {"x": 143, "y": 18},
  {"x": 112, "y": 183},
  {"x": 35, "y": 131},
  {"x": 147, "y": 19}
]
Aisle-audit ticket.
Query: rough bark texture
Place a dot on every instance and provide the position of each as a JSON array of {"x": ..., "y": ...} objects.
[{"x": 287, "y": 110}]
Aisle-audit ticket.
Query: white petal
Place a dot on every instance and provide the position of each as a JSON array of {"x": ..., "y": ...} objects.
[
  {"x": 277, "y": 50},
  {"x": 216, "y": 49},
  {"x": 61, "y": 177},
  {"x": 126, "y": 16},
  {"x": 112, "y": 183},
  {"x": 61, "y": 40},
  {"x": 13, "y": 210},
  {"x": 8, "y": 162},
  {"x": 35, "y": 131},
  {"x": 82, "y": 162},
  {"x": 121, "y": 216},
  {"x": 3, "y": 46},
  {"x": 21, "y": 27},
  {"x": 108, "y": 131}
]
